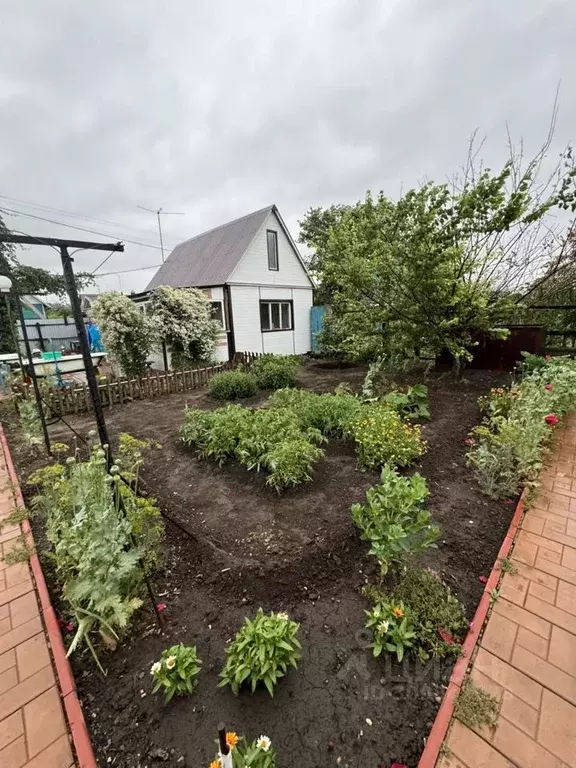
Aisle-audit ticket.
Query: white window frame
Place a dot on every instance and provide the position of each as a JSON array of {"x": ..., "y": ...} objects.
[{"x": 279, "y": 302}]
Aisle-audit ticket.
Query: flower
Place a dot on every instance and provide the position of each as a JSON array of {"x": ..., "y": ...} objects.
[
  {"x": 510, "y": 502},
  {"x": 156, "y": 667},
  {"x": 283, "y": 615},
  {"x": 264, "y": 743},
  {"x": 231, "y": 739},
  {"x": 483, "y": 579},
  {"x": 549, "y": 387},
  {"x": 161, "y": 607},
  {"x": 397, "y": 611},
  {"x": 398, "y": 765},
  {"x": 215, "y": 764},
  {"x": 551, "y": 419},
  {"x": 547, "y": 357},
  {"x": 383, "y": 626},
  {"x": 470, "y": 441},
  {"x": 171, "y": 662}
]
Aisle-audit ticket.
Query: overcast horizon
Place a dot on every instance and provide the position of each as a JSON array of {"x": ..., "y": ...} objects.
[{"x": 216, "y": 109}]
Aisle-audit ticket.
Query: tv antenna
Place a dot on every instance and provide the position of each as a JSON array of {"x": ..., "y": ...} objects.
[{"x": 160, "y": 212}]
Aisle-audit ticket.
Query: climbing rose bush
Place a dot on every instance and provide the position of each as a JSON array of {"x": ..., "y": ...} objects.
[
  {"x": 127, "y": 332},
  {"x": 182, "y": 317}
]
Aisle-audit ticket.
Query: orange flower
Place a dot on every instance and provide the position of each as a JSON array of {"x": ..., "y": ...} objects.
[
  {"x": 215, "y": 764},
  {"x": 398, "y": 612},
  {"x": 231, "y": 739}
]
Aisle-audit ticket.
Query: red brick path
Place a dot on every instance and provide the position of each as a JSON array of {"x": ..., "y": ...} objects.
[
  {"x": 527, "y": 654},
  {"x": 33, "y": 730}
]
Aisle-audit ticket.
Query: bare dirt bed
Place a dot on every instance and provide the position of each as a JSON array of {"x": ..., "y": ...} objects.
[{"x": 239, "y": 545}]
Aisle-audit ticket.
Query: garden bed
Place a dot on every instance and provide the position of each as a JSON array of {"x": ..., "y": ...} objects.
[{"x": 239, "y": 546}]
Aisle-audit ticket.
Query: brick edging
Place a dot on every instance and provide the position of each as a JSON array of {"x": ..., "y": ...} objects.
[
  {"x": 75, "y": 716},
  {"x": 444, "y": 715}
]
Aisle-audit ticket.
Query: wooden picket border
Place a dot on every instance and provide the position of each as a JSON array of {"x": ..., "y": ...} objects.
[{"x": 116, "y": 392}]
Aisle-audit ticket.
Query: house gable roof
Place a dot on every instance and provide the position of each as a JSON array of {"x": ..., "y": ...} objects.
[{"x": 210, "y": 258}]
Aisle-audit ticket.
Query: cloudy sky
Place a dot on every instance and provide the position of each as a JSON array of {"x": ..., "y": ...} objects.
[{"x": 214, "y": 108}]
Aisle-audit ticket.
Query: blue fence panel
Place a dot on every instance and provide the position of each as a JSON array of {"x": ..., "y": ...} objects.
[{"x": 316, "y": 324}]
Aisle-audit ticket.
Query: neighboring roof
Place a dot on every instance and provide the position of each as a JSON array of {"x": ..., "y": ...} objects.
[{"x": 210, "y": 258}]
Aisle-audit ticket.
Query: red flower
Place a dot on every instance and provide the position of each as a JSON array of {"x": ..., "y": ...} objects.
[
  {"x": 161, "y": 607},
  {"x": 483, "y": 579},
  {"x": 398, "y": 765},
  {"x": 548, "y": 357},
  {"x": 446, "y": 636},
  {"x": 551, "y": 419},
  {"x": 549, "y": 387}
]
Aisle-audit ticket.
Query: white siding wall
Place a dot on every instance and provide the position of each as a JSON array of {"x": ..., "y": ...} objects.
[
  {"x": 246, "y": 311},
  {"x": 253, "y": 268}
]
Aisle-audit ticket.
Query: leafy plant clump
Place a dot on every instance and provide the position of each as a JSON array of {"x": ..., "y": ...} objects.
[
  {"x": 508, "y": 447},
  {"x": 231, "y": 385},
  {"x": 382, "y": 437},
  {"x": 412, "y": 404},
  {"x": 275, "y": 371},
  {"x": 256, "y": 754},
  {"x": 176, "y": 672},
  {"x": 394, "y": 520},
  {"x": 476, "y": 707},
  {"x": 331, "y": 414},
  {"x": 30, "y": 421},
  {"x": 262, "y": 651},
  {"x": 97, "y": 556},
  {"x": 392, "y": 629}
]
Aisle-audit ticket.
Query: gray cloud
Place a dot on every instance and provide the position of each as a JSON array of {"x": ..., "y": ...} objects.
[{"x": 217, "y": 108}]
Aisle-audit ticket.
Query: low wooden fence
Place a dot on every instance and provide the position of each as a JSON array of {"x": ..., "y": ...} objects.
[{"x": 114, "y": 392}]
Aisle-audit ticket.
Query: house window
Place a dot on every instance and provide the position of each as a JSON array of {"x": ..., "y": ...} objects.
[
  {"x": 217, "y": 312},
  {"x": 276, "y": 316},
  {"x": 272, "y": 243}
]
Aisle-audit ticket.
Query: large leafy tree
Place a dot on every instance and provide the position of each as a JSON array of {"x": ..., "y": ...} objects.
[
  {"x": 437, "y": 265},
  {"x": 26, "y": 280}
]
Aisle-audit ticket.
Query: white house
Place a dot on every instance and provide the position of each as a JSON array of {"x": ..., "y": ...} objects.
[{"x": 253, "y": 273}]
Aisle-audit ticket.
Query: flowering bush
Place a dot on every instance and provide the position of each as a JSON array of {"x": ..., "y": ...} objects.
[
  {"x": 261, "y": 652},
  {"x": 182, "y": 318},
  {"x": 126, "y": 331},
  {"x": 176, "y": 671},
  {"x": 382, "y": 437},
  {"x": 509, "y": 444},
  {"x": 393, "y": 519},
  {"x": 257, "y": 754},
  {"x": 392, "y": 629}
]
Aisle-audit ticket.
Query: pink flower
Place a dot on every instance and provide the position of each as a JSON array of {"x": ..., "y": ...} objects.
[
  {"x": 549, "y": 387},
  {"x": 471, "y": 625},
  {"x": 509, "y": 501},
  {"x": 551, "y": 419},
  {"x": 69, "y": 627},
  {"x": 470, "y": 441},
  {"x": 483, "y": 579},
  {"x": 548, "y": 357},
  {"x": 161, "y": 607},
  {"x": 398, "y": 765}
]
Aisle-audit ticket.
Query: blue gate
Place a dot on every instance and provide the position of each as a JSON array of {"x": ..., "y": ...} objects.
[{"x": 316, "y": 324}]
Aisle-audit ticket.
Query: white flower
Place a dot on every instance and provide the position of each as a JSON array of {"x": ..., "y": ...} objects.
[
  {"x": 156, "y": 667},
  {"x": 383, "y": 626},
  {"x": 283, "y": 615},
  {"x": 264, "y": 743},
  {"x": 170, "y": 662}
]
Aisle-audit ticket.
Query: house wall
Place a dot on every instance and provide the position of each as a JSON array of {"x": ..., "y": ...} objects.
[
  {"x": 253, "y": 268},
  {"x": 246, "y": 313}
]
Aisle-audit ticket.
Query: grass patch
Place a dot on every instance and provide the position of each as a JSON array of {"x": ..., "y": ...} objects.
[{"x": 476, "y": 707}]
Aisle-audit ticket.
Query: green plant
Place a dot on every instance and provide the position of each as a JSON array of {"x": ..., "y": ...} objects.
[
  {"x": 176, "y": 671},
  {"x": 257, "y": 754},
  {"x": 30, "y": 421},
  {"x": 411, "y": 404},
  {"x": 436, "y": 613},
  {"x": 275, "y": 371},
  {"x": 392, "y": 629},
  {"x": 393, "y": 519},
  {"x": 231, "y": 385},
  {"x": 19, "y": 552},
  {"x": 331, "y": 414},
  {"x": 507, "y": 566},
  {"x": 16, "y": 517},
  {"x": 475, "y": 707},
  {"x": 261, "y": 652},
  {"x": 382, "y": 437}
]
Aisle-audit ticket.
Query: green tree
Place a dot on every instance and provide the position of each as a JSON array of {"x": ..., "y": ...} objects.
[
  {"x": 126, "y": 331},
  {"x": 440, "y": 263}
]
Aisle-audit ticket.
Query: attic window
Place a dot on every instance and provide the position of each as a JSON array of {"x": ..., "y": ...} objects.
[{"x": 272, "y": 243}]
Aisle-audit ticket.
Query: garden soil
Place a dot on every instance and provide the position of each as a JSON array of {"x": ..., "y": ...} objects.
[{"x": 235, "y": 544}]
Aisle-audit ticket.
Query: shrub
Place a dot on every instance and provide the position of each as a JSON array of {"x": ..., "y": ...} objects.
[
  {"x": 393, "y": 519},
  {"x": 176, "y": 672},
  {"x": 329, "y": 413},
  {"x": 383, "y": 438},
  {"x": 507, "y": 448},
  {"x": 392, "y": 629},
  {"x": 411, "y": 404},
  {"x": 261, "y": 652},
  {"x": 126, "y": 331},
  {"x": 231, "y": 385},
  {"x": 275, "y": 371}
]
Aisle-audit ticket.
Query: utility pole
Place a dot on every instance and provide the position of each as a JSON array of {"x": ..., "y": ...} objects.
[{"x": 160, "y": 212}]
